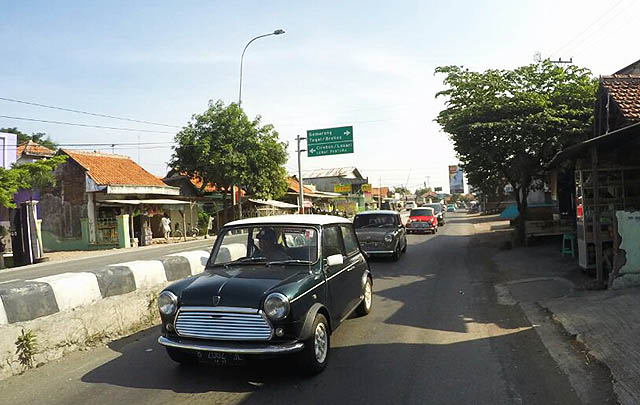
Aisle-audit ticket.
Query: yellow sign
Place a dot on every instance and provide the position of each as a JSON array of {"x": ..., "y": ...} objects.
[
  {"x": 342, "y": 188},
  {"x": 366, "y": 188}
]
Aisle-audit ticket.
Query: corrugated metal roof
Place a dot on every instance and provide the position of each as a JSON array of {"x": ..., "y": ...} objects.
[{"x": 345, "y": 172}]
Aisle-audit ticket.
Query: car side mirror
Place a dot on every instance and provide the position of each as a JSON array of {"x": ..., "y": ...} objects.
[{"x": 335, "y": 260}]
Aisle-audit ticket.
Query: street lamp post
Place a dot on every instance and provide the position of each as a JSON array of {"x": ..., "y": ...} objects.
[{"x": 276, "y": 32}]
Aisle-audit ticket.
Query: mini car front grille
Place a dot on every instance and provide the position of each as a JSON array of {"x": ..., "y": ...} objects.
[{"x": 227, "y": 324}]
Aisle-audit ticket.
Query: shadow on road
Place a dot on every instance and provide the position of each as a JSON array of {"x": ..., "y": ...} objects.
[{"x": 423, "y": 372}]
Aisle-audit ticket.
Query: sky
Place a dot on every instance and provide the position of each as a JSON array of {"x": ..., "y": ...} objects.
[{"x": 369, "y": 64}]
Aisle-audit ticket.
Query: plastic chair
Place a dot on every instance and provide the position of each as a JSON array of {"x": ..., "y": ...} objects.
[{"x": 571, "y": 249}]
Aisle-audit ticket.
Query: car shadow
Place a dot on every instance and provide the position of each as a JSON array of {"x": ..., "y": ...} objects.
[{"x": 424, "y": 372}]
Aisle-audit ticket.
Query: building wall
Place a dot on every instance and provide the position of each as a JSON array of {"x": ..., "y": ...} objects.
[
  {"x": 63, "y": 207},
  {"x": 327, "y": 183},
  {"x": 8, "y": 145}
]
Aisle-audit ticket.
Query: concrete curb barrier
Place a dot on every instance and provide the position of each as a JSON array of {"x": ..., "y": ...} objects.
[
  {"x": 69, "y": 311},
  {"x": 22, "y": 301},
  {"x": 3, "y": 314}
]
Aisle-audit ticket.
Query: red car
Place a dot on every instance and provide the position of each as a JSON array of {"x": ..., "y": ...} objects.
[{"x": 422, "y": 220}]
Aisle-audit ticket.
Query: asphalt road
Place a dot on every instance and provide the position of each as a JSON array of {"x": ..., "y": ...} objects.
[
  {"x": 97, "y": 262},
  {"x": 435, "y": 335}
]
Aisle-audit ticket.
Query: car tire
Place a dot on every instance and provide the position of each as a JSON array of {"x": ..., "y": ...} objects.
[
  {"x": 313, "y": 358},
  {"x": 365, "y": 306},
  {"x": 181, "y": 357},
  {"x": 396, "y": 253}
]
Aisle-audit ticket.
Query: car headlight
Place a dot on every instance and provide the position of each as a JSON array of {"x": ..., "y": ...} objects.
[
  {"x": 167, "y": 303},
  {"x": 388, "y": 238},
  {"x": 276, "y": 306}
]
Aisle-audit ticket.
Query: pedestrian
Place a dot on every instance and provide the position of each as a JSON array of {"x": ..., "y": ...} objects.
[{"x": 166, "y": 226}]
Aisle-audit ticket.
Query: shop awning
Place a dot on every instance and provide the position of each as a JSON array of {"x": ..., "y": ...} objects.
[
  {"x": 627, "y": 133},
  {"x": 148, "y": 202},
  {"x": 274, "y": 203}
]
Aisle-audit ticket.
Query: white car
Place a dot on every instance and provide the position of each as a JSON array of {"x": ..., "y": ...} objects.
[{"x": 409, "y": 205}]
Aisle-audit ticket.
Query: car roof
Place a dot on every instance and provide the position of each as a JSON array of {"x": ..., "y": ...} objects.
[
  {"x": 386, "y": 212},
  {"x": 305, "y": 219}
]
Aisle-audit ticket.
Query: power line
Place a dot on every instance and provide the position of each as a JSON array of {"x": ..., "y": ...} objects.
[
  {"x": 12, "y": 100},
  {"x": 86, "y": 125},
  {"x": 588, "y": 27}
]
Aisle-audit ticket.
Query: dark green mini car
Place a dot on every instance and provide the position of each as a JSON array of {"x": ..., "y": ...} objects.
[{"x": 272, "y": 286}]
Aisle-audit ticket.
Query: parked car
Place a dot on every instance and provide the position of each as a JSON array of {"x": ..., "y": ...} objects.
[
  {"x": 272, "y": 286},
  {"x": 451, "y": 208},
  {"x": 409, "y": 205},
  {"x": 422, "y": 220},
  {"x": 439, "y": 212},
  {"x": 381, "y": 233}
]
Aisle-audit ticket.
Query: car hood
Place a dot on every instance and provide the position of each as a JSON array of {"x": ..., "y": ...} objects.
[
  {"x": 372, "y": 234},
  {"x": 239, "y": 286}
]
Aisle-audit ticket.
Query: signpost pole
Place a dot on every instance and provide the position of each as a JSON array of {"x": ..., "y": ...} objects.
[{"x": 300, "y": 183}]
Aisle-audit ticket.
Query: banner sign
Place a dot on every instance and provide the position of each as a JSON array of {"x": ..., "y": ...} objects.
[
  {"x": 456, "y": 182},
  {"x": 366, "y": 188},
  {"x": 342, "y": 188}
]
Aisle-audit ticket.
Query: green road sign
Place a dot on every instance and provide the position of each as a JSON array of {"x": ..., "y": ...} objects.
[{"x": 330, "y": 141}]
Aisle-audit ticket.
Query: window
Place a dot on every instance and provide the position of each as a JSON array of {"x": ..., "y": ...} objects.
[
  {"x": 350, "y": 240},
  {"x": 331, "y": 242}
]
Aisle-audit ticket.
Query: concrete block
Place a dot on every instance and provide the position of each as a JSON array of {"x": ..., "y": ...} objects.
[
  {"x": 197, "y": 258},
  {"x": 27, "y": 300},
  {"x": 626, "y": 281},
  {"x": 73, "y": 289},
  {"x": 3, "y": 314},
  {"x": 146, "y": 273},
  {"x": 115, "y": 280},
  {"x": 176, "y": 267}
]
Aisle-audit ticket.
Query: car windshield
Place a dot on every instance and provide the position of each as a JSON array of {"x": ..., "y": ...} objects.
[
  {"x": 266, "y": 244},
  {"x": 374, "y": 221},
  {"x": 421, "y": 212},
  {"x": 436, "y": 207}
]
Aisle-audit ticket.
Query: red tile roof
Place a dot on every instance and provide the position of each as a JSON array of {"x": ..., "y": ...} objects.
[
  {"x": 106, "y": 169},
  {"x": 32, "y": 148},
  {"x": 625, "y": 91}
]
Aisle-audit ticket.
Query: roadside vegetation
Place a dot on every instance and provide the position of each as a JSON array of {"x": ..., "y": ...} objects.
[{"x": 506, "y": 125}]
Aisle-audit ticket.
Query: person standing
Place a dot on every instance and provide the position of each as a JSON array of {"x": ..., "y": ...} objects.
[{"x": 166, "y": 226}]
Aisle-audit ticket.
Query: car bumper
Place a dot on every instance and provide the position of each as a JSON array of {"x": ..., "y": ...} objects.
[
  {"x": 233, "y": 347},
  {"x": 378, "y": 252},
  {"x": 421, "y": 229}
]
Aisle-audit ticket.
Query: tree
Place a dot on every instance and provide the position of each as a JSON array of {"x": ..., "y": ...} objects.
[
  {"x": 39, "y": 175},
  {"x": 11, "y": 181},
  {"x": 401, "y": 190},
  {"x": 507, "y": 124},
  {"x": 223, "y": 147},
  {"x": 38, "y": 137},
  {"x": 423, "y": 190}
]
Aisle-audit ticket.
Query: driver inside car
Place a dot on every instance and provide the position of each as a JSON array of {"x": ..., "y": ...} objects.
[{"x": 268, "y": 246}]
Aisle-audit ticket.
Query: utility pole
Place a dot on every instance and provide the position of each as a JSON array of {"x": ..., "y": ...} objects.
[
  {"x": 380, "y": 194},
  {"x": 560, "y": 61},
  {"x": 300, "y": 185}
]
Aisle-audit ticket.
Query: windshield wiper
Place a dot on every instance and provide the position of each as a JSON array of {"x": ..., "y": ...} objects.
[
  {"x": 247, "y": 260},
  {"x": 290, "y": 261}
]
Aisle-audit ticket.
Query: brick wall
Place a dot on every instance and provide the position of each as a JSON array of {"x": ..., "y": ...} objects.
[{"x": 62, "y": 208}]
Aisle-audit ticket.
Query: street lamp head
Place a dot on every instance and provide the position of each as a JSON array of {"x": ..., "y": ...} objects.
[{"x": 278, "y": 32}]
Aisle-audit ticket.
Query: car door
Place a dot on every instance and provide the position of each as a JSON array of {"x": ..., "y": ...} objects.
[
  {"x": 356, "y": 263},
  {"x": 337, "y": 276}
]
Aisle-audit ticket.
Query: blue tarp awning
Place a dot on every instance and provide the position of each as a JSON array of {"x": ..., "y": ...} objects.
[{"x": 511, "y": 211}]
